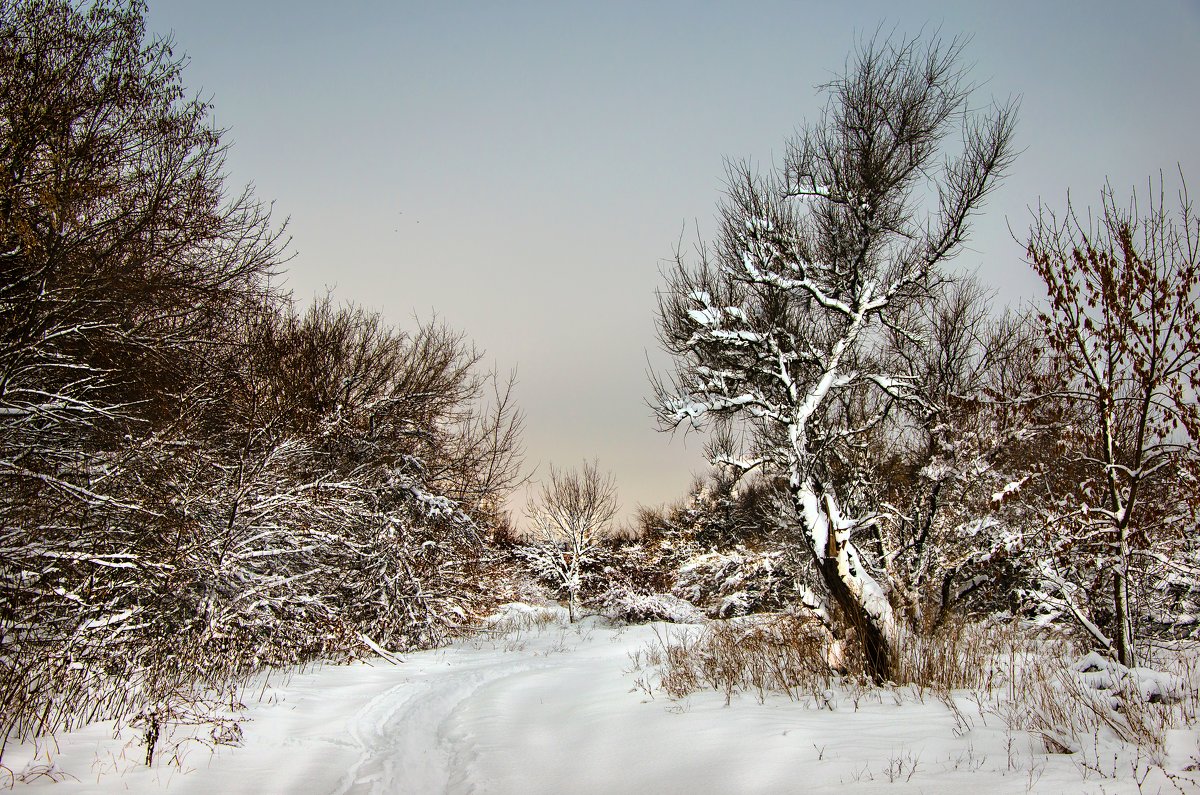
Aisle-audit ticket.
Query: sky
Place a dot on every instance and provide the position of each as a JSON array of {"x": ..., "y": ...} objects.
[{"x": 523, "y": 170}]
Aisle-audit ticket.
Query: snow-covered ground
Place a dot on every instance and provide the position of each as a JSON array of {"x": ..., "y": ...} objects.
[{"x": 550, "y": 708}]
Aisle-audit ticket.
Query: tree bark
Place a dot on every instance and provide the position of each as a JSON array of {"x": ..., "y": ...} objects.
[
  {"x": 876, "y": 646},
  {"x": 846, "y": 588},
  {"x": 1126, "y": 654}
]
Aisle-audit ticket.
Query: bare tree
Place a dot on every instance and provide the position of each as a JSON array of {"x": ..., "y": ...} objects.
[
  {"x": 783, "y": 325},
  {"x": 1124, "y": 294},
  {"x": 570, "y": 519}
]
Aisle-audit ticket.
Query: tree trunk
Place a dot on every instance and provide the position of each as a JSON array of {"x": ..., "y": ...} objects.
[
  {"x": 1124, "y": 635},
  {"x": 876, "y": 646},
  {"x": 862, "y": 605}
]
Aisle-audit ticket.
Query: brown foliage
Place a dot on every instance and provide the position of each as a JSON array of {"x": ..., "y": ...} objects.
[{"x": 1124, "y": 295}]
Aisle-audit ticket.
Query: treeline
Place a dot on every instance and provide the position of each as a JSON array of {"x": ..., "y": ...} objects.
[
  {"x": 197, "y": 476},
  {"x": 200, "y": 477}
]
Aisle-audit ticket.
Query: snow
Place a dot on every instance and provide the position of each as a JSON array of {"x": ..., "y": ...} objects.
[
  {"x": 1102, "y": 674},
  {"x": 534, "y": 705},
  {"x": 1009, "y": 490},
  {"x": 705, "y": 317}
]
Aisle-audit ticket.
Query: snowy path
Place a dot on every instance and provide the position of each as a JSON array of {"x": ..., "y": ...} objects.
[
  {"x": 556, "y": 709},
  {"x": 400, "y": 735}
]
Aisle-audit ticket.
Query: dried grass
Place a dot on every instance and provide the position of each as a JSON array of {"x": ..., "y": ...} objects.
[
  {"x": 777, "y": 653},
  {"x": 1025, "y": 675}
]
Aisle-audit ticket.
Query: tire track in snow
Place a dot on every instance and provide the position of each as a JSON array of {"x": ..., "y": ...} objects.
[{"x": 399, "y": 733}]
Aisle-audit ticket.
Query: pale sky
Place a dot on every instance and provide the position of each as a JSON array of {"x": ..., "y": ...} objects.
[{"x": 523, "y": 169}]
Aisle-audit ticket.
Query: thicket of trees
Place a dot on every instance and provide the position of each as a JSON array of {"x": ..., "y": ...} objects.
[
  {"x": 937, "y": 458},
  {"x": 198, "y": 478}
]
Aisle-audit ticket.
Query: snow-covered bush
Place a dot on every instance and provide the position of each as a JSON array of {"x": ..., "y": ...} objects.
[
  {"x": 645, "y": 560},
  {"x": 621, "y": 604},
  {"x": 1082, "y": 703},
  {"x": 1119, "y": 683},
  {"x": 737, "y": 582}
]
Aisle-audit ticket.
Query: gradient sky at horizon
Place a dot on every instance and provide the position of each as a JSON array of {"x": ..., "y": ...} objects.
[{"x": 523, "y": 169}]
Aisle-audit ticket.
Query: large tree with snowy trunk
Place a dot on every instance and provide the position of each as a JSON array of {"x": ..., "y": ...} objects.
[{"x": 783, "y": 326}]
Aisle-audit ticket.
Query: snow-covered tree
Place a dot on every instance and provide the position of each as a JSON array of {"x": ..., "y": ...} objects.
[
  {"x": 957, "y": 478},
  {"x": 783, "y": 325},
  {"x": 569, "y": 522},
  {"x": 402, "y": 421},
  {"x": 1124, "y": 309}
]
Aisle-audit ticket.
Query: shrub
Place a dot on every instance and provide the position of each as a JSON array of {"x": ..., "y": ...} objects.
[{"x": 622, "y": 604}]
